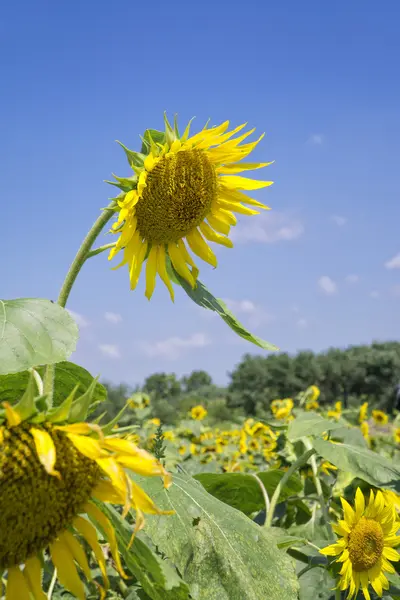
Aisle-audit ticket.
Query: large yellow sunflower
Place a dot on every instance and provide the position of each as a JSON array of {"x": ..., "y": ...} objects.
[
  {"x": 186, "y": 189},
  {"x": 51, "y": 474},
  {"x": 368, "y": 537}
]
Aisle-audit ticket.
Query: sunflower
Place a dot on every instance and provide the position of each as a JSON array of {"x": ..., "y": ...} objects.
[
  {"x": 363, "y": 414},
  {"x": 198, "y": 413},
  {"x": 365, "y": 431},
  {"x": 54, "y": 473},
  {"x": 337, "y": 412},
  {"x": 368, "y": 537},
  {"x": 396, "y": 435},
  {"x": 186, "y": 189},
  {"x": 282, "y": 409},
  {"x": 380, "y": 417}
]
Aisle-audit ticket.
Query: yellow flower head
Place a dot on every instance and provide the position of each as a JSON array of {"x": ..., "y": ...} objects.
[
  {"x": 154, "y": 421},
  {"x": 186, "y": 190},
  {"x": 380, "y": 417},
  {"x": 281, "y": 409},
  {"x": 50, "y": 473},
  {"x": 365, "y": 430},
  {"x": 313, "y": 393},
  {"x": 368, "y": 537},
  {"x": 312, "y": 405},
  {"x": 198, "y": 413},
  {"x": 337, "y": 413},
  {"x": 363, "y": 415},
  {"x": 396, "y": 435}
]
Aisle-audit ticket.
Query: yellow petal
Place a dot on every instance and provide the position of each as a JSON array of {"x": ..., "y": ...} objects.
[
  {"x": 33, "y": 574},
  {"x": 87, "y": 531},
  {"x": 349, "y": 514},
  {"x": 45, "y": 449},
  {"x": 236, "y": 196},
  {"x": 183, "y": 250},
  {"x": 12, "y": 416},
  {"x": 201, "y": 248},
  {"x": 212, "y": 236},
  {"x": 106, "y": 492},
  {"x": 136, "y": 265},
  {"x": 17, "y": 585},
  {"x": 391, "y": 554},
  {"x": 87, "y": 446},
  {"x": 66, "y": 570},
  {"x": 142, "y": 501},
  {"x": 115, "y": 473},
  {"x": 225, "y": 215},
  {"x": 236, "y": 182},
  {"x": 141, "y": 466},
  {"x": 162, "y": 270},
  {"x": 151, "y": 272},
  {"x": 96, "y": 514},
  {"x": 237, "y": 207},
  {"x": 218, "y": 224},
  {"x": 179, "y": 264},
  {"x": 359, "y": 503},
  {"x": 76, "y": 551},
  {"x": 80, "y": 428},
  {"x": 239, "y": 167}
]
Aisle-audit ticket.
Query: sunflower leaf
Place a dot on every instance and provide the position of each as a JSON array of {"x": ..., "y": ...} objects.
[
  {"x": 34, "y": 331},
  {"x": 219, "y": 551},
  {"x": 204, "y": 298}
]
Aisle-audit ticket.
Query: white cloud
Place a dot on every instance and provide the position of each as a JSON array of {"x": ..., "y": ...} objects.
[
  {"x": 80, "y": 319},
  {"x": 374, "y": 294},
  {"x": 268, "y": 228},
  {"x": 316, "y": 138},
  {"x": 172, "y": 347},
  {"x": 254, "y": 313},
  {"x": 302, "y": 323},
  {"x": 112, "y": 317},
  {"x": 327, "y": 285},
  {"x": 110, "y": 350},
  {"x": 352, "y": 278},
  {"x": 393, "y": 263},
  {"x": 340, "y": 221}
]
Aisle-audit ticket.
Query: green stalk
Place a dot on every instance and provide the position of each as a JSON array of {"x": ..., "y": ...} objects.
[
  {"x": 275, "y": 496},
  {"x": 318, "y": 487},
  {"x": 73, "y": 272},
  {"x": 264, "y": 493}
]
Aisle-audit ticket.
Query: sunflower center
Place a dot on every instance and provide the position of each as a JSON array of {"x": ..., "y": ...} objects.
[
  {"x": 178, "y": 195},
  {"x": 366, "y": 543},
  {"x": 35, "y": 506}
]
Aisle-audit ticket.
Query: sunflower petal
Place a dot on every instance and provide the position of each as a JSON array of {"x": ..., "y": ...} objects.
[
  {"x": 201, "y": 248},
  {"x": 66, "y": 569},
  {"x": 45, "y": 449}
]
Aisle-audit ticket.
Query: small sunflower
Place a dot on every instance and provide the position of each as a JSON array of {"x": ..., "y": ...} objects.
[
  {"x": 365, "y": 431},
  {"x": 198, "y": 413},
  {"x": 282, "y": 409},
  {"x": 380, "y": 417},
  {"x": 368, "y": 537},
  {"x": 396, "y": 435},
  {"x": 51, "y": 473},
  {"x": 363, "y": 414},
  {"x": 186, "y": 189}
]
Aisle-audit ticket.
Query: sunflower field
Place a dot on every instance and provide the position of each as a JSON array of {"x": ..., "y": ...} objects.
[{"x": 301, "y": 503}]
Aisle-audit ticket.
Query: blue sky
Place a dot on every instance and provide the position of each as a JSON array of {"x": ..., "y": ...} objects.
[{"x": 321, "y": 269}]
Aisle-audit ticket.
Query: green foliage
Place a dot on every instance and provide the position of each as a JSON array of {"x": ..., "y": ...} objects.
[
  {"x": 34, "y": 331},
  {"x": 219, "y": 552},
  {"x": 309, "y": 423}
]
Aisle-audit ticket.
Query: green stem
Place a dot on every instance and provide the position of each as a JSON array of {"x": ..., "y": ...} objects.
[
  {"x": 71, "y": 276},
  {"x": 318, "y": 487},
  {"x": 264, "y": 493},
  {"x": 100, "y": 249},
  {"x": 52, "y": 585},
  {"x": 338, "y": 594},
  {"x": 275, "y": 496}
]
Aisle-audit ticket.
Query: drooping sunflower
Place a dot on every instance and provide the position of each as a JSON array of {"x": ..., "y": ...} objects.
[
  {"x": 54, "y": 475},
  {"x": 185, "y": 191},
  {"x": 363, "y": 414},
  {"x": 367, "y": 542}
]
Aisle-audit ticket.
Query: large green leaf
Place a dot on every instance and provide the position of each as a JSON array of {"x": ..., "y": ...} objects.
[
  {"x": 34, "y": 331},
  {"x": 204, "y": 298},
  {"x": 317, "y": 584},
  {"x": 219, "y": 552},
  {"x": 309, "y": 423},
  {"x": 67, "y": 375},
  {"x": 242, "y": 491},
  {"x": 157, "y": 577},
  {"x": 361, "y": 462}
]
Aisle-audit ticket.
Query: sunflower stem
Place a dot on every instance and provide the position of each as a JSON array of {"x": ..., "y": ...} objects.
[
  {"x": 318, "y": 487},
  {"x": 70, "y": 278},
  {"x": 338, "y": 594},
  {"x": 264, "y": 493},
  {"x": 99, "y": 250},
  {"x": 52, "y": 584},
  {"x": 275, "y": 496}
]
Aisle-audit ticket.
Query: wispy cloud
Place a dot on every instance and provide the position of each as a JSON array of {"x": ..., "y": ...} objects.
[
  {"x": 112, "y": 317},
  {"x": 374, "y": 294},
  {"x": 254, "y": 314},
  {"x": 302, "y": 323},
  {"x": 172, "y": 347},
  {"x": 396, "y": 290},
  {"x": 339, "y": 220},
  {"x": 327, "y": 285},
  {"x": 317, "y": 139},
  {"x": 352, "y": 278},
  {"x": 393, "y": 263},
  {"x": 269, "y": 228},
  {"x": 80, "y": 319},
  {"x": 110, "y": 350}
]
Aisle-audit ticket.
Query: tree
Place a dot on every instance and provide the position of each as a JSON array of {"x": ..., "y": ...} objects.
[
  {"x": 162, "y": 385},
  {"x": 195, "y": 381}
]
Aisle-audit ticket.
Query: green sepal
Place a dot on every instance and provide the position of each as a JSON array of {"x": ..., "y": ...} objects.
[
  {"x": 106, "y": 429},
  {"x": 80, "y": 407},
  {"x": 176, "y": 129},
  {"x": 26, "y": 407},
  {"x": 126, "y": 184},
  {"x": 61, "y": 413},
  {"x": 100, "y": 418},
  {"x": 170, "y": 136},
  {"x": 42, "y": 403},
  {"x": 135, "y": 159},
  {"x": 151, "y": 136},
  {"x": 187, "y": 131}
]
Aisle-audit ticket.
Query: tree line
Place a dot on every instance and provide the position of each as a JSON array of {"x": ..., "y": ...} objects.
[{"x": 353, "y": 375}]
